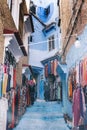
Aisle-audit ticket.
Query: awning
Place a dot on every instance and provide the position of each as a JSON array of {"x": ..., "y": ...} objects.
[
  {"x": 16, "y": 39},
  {"x": 20, "y": 42},
  {"x": 15, "y": 49}
]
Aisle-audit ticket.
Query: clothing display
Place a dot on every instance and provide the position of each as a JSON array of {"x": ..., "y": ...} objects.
[
  {"x": 46, "y": 70},
  {"x": 71, "y": 82},
  {"x": 78, "y": 105},
  {"x": 5, "y": 80},
  {"x": 70, "y": 88},
  {"x": 14, "y": 77},
  {"x": 50, "y": 67},
  {"x": 55, "y": 66},
  {"x": 11, "y": 73},
  {"x": 77, "y": 73}
]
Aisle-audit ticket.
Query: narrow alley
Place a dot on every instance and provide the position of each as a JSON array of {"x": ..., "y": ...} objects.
[
  {"x": 43, "y": 64},
  {"x": 43, "y": 116}
]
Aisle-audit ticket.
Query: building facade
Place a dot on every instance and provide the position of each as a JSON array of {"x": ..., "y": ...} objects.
[
  {"x": 15, "y": 28},
  {"x": 73, "y": 25},
  {"x": 44, "y": 42}
]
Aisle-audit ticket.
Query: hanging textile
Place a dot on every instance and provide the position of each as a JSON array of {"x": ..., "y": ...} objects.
[
  {"x": 14, "y": 77},
  {"x": 49, "y": 67},
  {"x": 46, "y": 70},
  {"x": 78, "y": 105},
  {"x": 81, "y": 72},
  {"x": 70, "y": 87},
  {"x": 55, "y": 66},
  {"x": 84, "y": 72},
  {"x": 8, "y": 83},
  {"x": 11, "y": 73},
  {"x": 52, "y": 67},
  {"x": 77, "y": 73},
  {"x": 5, "y": 80}
]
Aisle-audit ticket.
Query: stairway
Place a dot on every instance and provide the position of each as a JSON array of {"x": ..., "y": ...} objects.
[{"x": 43, "y": 116}]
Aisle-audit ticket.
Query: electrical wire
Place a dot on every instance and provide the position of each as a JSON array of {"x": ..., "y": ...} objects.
[{"x": 59, "y": 38}]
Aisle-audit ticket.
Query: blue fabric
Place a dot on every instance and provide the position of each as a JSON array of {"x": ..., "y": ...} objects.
[
  {"x": 8, "y": 83},
  {"x": 49, "y": 67}
]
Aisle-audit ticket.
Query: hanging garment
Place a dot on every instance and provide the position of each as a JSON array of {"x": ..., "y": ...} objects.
[
  {"x": 70, "y": 87},
  {"x": 14, "y": 77},
  {"x": 81, "y": 71},
  {"x": 78, "y": 105},
  {"x": 55, "y": 66},
  {"x": 84, "y": 71},
  {"x": 28, "y": 95},
  {"x": 5, "y": 80},
  {"x": 85, "y": 93},
  {"x": 11, "y": 73},
  {"x": 46, "y": 70},
  {"x": 52, "y": 67},
  {"x": 49, "y": 67},
  {"x": 8, "y": 83},
  {"x": 77, "y": 73}
]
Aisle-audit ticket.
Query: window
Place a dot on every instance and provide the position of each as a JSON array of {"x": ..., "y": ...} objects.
[
  {"x": 9, "y": 2},
  {"x": 51, "y": 44}
]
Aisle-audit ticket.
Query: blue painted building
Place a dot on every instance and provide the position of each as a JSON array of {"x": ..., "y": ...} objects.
[
  {"x": 74, "y": 56},
  {"x": 44, "y": 42}
]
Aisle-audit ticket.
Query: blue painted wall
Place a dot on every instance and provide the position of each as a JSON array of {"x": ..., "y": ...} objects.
[
  {"x": 39, "y": 40},
  {"x": 41, "y": 12},
  {"x": 74, "y": 56}
]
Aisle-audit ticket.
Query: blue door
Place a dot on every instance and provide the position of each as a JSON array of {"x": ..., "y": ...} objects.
[{"x": 41, "y": 89}]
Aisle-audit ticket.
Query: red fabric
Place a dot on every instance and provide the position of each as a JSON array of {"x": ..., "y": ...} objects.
[
  {"x": 55, "y": 66},
  {"x": 31, "y": 82},
  {"x": 5, "y": 69},
  {"x": 46, "y": 71},
  {"x": 76, "y": 106},
  {"x": 52, "y": 67}
]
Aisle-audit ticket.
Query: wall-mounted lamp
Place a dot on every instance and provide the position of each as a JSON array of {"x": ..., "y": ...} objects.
[{"x": 77, "y": 43}]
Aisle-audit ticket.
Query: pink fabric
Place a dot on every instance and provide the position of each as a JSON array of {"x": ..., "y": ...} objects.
[{"x": 76, "y": 106}]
